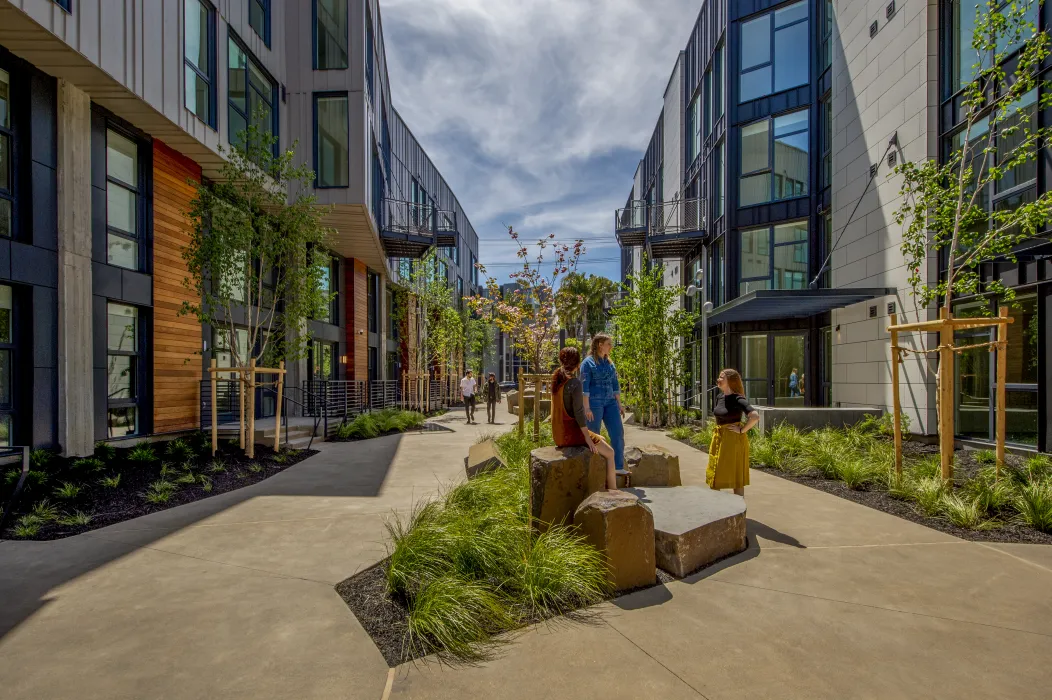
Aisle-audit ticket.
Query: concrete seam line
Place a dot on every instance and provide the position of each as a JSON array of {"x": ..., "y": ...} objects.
[
  {"x": 1025, "y": 561},
  {"x": 267, "y": 574},
  {"x": 881, "y": 608},
  {"x": 861, "y": 546},
  {"x": 390, "y": 684},
  {"x": 655, "y": 660}
]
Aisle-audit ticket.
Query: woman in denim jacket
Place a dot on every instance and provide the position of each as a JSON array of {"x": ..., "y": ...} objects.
[{"x": 602, "y": 395}]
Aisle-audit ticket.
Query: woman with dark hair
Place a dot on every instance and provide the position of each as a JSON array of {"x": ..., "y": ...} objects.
[
  {"x": 729, "y": 449},
  {"x": 569, "y": 426},
  {"x": 602, "y": 395}
]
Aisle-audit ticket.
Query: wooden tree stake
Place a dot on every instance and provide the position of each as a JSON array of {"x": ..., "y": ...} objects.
[
  {"x": 945, "y": 400},
  {"x": 522, "y": 402},
  {"x": 1002, "y": 372},
  {"x": 215, "y": 407},
  {"x": 896, "y": 407},
  {"x": 277, "y": 410},
  {"x": 252, "y": 408}
]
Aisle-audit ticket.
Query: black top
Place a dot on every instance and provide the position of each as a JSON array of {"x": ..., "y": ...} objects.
[
  {"x": 573, "y": 400},
  {"x": 730, "y": 408},
  {"x": 492, "y": 391}
]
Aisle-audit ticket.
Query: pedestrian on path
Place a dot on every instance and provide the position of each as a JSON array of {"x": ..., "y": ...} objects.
[
  {"x": 602, "y": 395},
  {"x": 569, "y": 425},
  {"x": 729, "y": 449},
  {"x": 467, "y": 392},
  {"x": 492, "y": 394}
]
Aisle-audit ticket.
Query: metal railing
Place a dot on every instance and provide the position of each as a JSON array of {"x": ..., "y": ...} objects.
[
  {"x": 385, "y": 394},
  {"x": 631, "y": 217},
  {"x": 416, "y": 219},
  {"x": 335, "y": 397},
  {"x": 679, "y": 216}
]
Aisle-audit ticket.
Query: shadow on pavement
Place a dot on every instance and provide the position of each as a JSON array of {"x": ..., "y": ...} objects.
[
  {"x": 29, "y": 571},
  {"x": 756, "y": 529}
]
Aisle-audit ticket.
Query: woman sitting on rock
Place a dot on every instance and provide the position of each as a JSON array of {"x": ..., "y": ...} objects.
[{"x": 569, "y": 426}]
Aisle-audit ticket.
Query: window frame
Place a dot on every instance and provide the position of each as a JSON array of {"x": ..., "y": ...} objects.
[
  {"x": 8, "y": 410},
  {"x": 772, "y": 39},
  {"x": 317, "y": 347},
  {"x": 772, "y": 164},
  {"x": 234, "y": 40},
  {"x": 264, "y": 6},
  {"x": 332, "y": 316},
  {"x": 139, "y": 190},
  {"x": 772, "y": 246},
  {"x": 315, "y": 65},
  {"x": 212, "y": 37},
  {"x": 370, "y": 49},
  {"x": 10, "y": 194},
  {"x": 317, "y": 141},
  {"x": 137, "y": 388},
  {"x": 65, "y": 5}
]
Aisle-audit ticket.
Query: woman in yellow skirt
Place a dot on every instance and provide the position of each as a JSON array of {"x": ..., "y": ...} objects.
[{"x": 729, "y": 449}]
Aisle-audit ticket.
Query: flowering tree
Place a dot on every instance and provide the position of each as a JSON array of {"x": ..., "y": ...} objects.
[
  {"x": 945, "y": 205},
  {"x": 530, "y": 313}
]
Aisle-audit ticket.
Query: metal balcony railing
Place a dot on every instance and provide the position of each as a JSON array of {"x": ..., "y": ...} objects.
[
  {"x": 409, "y": 229},
  {"x": 667, "y": 229}
]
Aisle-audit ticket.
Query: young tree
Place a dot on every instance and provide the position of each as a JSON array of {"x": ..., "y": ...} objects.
[
  {"x": 649, "y": 348},
  {"x": 530, "y": 313},
  {"x": 584, "y": 311},
  {"x": 945, "y": 205},
  {"x": 481, "y": 340},
  {"x": 255, "y": 258},
  {"x": 434, "y": 329}
]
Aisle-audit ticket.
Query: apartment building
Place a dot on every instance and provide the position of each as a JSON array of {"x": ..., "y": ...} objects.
[
  {"x": 107, "y": 112},
  {"x": 781, "y": 123}
]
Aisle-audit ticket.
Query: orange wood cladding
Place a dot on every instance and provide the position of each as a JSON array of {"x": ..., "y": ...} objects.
[
  {"x": 176, "y": 339},
  {"x": 357, "y": 310}
]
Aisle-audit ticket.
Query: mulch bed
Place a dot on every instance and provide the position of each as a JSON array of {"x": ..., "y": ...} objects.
[{"x": 108, "y": 506}]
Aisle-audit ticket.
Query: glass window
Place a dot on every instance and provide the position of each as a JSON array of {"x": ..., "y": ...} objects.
[
  {"x": 259, "y": 19},
  {"x": 323, "y": 360},
  {"x": 775, "y": 52},
  {"x": 369, "y": 50},
  {"x": 718, "y": 174},
  {"x": 330, "y": 313},
  {"x": 122, "y": 369},
  {"x": 199, "y": 43},
  {"x": 708, "y": 102},
  {"x": 826, "y": 53},
  {"x": 826, "y": 114},
  {"x": 717, "y": 85},
  {"x": 790, "y": 153},
  {"x": 6, "y": 158},
  {"x": 790, "y": 168},
  {"x": 755, "y": 253},
  {"x": 332, "y": 133},
  {"x": 1022, "y": 115},
  {"x": 223, "y": 351},
  {"x": 755, "y": 145},
  {"x": 330, "y": 34},
  {"x": 774, "y": 258},
  {"x": 122, "y": 201},
  {"x": 252, "y": 95},
  {"x": 7, "y": 352},
  {"x": 754, "y": 368}
]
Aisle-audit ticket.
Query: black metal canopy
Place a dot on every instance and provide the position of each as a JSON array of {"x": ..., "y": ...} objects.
[{"x": 771, "y": 304}]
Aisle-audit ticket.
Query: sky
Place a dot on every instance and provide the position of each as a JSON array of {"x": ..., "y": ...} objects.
[{"x": 536, "y": 112}]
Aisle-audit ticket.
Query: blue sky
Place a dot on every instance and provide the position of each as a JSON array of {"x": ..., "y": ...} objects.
[{"x": 536, "y": 111}]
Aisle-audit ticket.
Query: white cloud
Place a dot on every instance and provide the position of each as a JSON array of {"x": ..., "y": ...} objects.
[{"x": 535, "y": 111}]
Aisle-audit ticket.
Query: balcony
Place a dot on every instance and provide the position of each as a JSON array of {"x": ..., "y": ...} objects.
[
  {"x": 409, "y": 230},
  {"x": 668, "y": 230}
]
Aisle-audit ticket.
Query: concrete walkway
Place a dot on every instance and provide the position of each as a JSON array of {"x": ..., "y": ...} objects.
[{"x": 233, "y": 597}]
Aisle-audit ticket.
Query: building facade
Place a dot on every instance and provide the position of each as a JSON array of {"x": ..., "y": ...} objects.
[
  {"x": 108, "y": 113},
  {"x": 784, "y": 120}
]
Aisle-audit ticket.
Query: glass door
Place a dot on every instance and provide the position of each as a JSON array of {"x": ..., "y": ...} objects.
[
  {"x": 754, "y": 370},
  {"x": 974, "y": 400},
  {"x": 790, "y": 383}
]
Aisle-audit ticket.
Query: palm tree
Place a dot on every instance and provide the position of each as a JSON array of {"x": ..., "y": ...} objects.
[{"x": 584, "y": 309}]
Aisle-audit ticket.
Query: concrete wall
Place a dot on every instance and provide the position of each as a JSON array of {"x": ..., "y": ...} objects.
[
  {"x": 882, "y": 85},
  {"x": 812, "y": 418}
]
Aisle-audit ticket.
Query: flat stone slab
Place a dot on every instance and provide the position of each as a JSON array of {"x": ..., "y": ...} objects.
[
  {"x": 652, "y": 465},
  {"x": 621, "y": 527},
  {"x": 482, "y": 457},
  {"x": 560, "y": 479},
  {"x": 693, "y": 525}
]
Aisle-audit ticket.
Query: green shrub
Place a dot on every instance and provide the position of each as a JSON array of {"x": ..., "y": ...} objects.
[
  {"x": 67, "y": 491},
  {"x": 560, "y": 572},
  {"x": 45, "y": 511},
  {"x": 76, "y": 519},
  {"x": 40, "y": 459},
  {"x": 179, "y": 451},
  {"x": 105, "y": 451},
  {"x": 856, "y": 472},
  {"x": 28, "y": 526},
  {"x": 1038, "y": 467},
  {"x": 824, "y": 451},
  {"x": 789, "y": 441},
  {"x": 160, "y": 492},
  {"x": 926, "y": 467},
  {"x": 254, "y": 468},
  {"x": 200, "y": 442},
  {"x": 110, "y": 482},
  {"x": 902, "y": 487},
  {"x": 89, "y": 464},
  {"x": 991, "y": 495},
  {"x": 681, "y": 432},
  {"x": 206, "y": 483},
  {"x": 142, "y": 453},
  {"x": 1033, "y": 504},
  {"x": 455, "y": 618},
  {"x": 186, "y": 479},
  {"x": 963, "y": 512},
  {"x": 927, "y": 494},
  {"x": 362, "y": 427},
  {"x": 763, "y": 452},
  {"x": 985, "y": 457},
  {"x": 217, "y": 466}
]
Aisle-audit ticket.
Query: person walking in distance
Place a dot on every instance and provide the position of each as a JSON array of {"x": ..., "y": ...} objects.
[
  {"x": 569, "y": 425},
  {"x": 602, "y": 395},
  {"x": 492, "y": 394},
  {"x": 794, "y": 384},
  {"x": 467, "y": 392},
  {"x": 729, "y": 449}
]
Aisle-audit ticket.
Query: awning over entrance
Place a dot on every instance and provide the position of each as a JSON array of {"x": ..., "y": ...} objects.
[{"x": 771, "y": 304}]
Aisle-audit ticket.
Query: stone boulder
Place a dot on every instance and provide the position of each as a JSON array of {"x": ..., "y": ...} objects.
[
  {"x": 652, "y": 465},
  {"x": 482, "y": 458},
  {"x": 624, "y": 478},
  {"x": 513, "y": 401},
  {"x": 621, "y": 527},
  {"x": 693, "y": 525},
  {"x": 560, "y": 479}
]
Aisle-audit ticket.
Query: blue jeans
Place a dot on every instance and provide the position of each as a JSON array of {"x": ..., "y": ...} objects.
[{"x": 606, "y": 411}]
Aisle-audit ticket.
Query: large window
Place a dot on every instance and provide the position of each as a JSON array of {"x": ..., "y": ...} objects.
[
  {"x": 693, "y": 132},
  {"x": 774, "y": 162},
  {"x": 718, "y": 175},
  {"x": 7, "y": 356},
  {"x": 773, "y": 258},
  {"x": 122, "y": 201},
  {"x": 330, "y": 34},
  {"x": 373, "y": 302},
  {"x": 199, "y": 50},
  {"x": 330, "y": 275},
  {"x": 369, "y": 59},
  {"x": 715, "y": 274},
  {"x": 223, "y": 348},
  {"x": 331, "y": 136},
  {"x": 122, "y": 370},
  {"x": 963, "y": 57},
  {"x": 252, "y": 95},
  {"x": 323, "y": 360},
  {"x": 774, "y": 52},
  {"x": 259, "y": 19},
  {"x": 7, "y": 140},
  {"x": 825, "y": 114},
  {"x": 717, "y": 84},
  {"x": 826, "y": 30}
]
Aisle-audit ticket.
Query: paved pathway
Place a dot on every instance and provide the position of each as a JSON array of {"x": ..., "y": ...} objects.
[{"x": 232, "y": 597}]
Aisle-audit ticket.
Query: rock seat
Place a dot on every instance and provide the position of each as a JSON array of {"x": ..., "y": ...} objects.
[
  {"x": 621, "y": 527},
  {"x": 560, "y": 479},
  {"x": 652, "y": 465},
  {"x": 693, "y": 525},
  {"x": 482, "y": 458}
]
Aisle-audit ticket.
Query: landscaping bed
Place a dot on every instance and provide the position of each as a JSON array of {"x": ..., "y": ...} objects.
[
  {"x": 389, "y": 421},
  {"x": 64, "y": 497},
  {"x": 857, "y": 463}
]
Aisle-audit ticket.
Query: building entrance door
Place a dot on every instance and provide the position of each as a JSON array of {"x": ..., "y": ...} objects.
[{"x": 772, "y": 367}]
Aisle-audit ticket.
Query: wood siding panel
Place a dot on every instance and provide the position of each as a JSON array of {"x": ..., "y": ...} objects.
[
  {"x": 357, "y": 310},
  {"x": 176, "y": 339}
]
